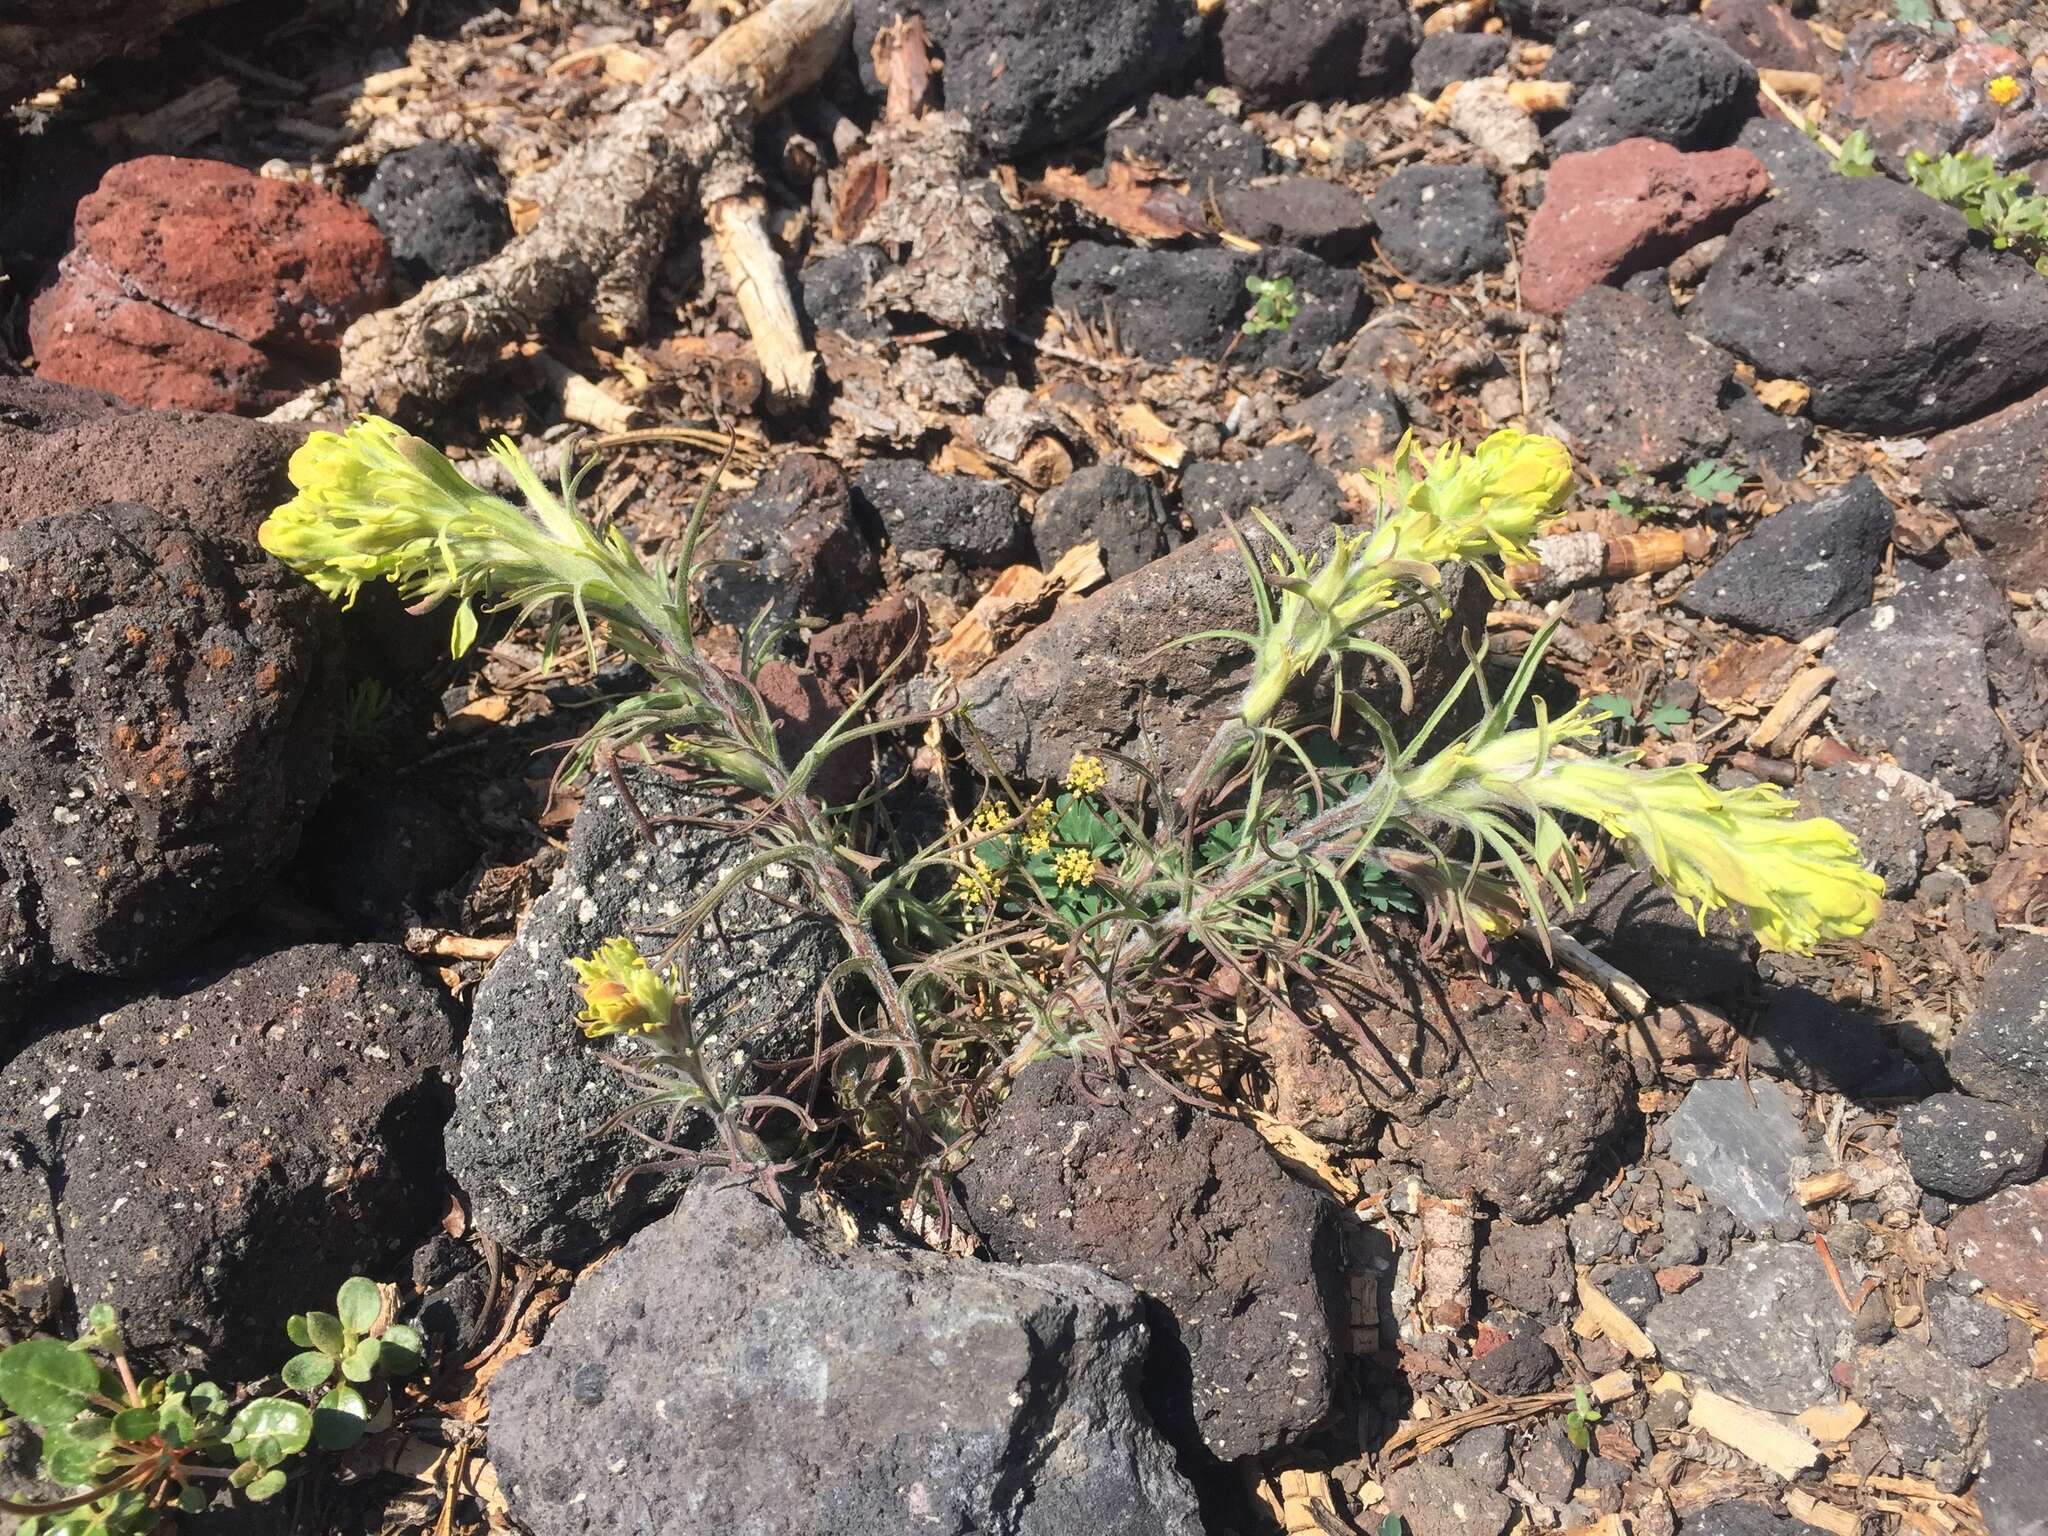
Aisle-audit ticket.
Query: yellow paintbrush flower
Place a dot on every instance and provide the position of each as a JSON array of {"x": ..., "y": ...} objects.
[
  {"x": 1482, "y": 506},
  {"x": 1794, "y": 881},
  {"x": 621, "y": 993}
]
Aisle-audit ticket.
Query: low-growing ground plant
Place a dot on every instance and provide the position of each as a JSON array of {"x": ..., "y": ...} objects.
[
  {"x": 1120, "y": 913},
  {"x": 144, "y": 1449},
  {"x": 1274, "y": 305}
]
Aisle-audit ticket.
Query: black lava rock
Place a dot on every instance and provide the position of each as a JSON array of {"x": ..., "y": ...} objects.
[
  {"x": 1964, "y": 1148},
  {"x": 1283, "y": 481},
  {"x": 1442, "y": 223},
  {"x": 2001, "y": 1053},
  {"x": 1864, "y": 798},
  {"x": 791, "y": 546},
  {"x": 1966, "y": 1330},
  {"x": 1633, "y": 921},
  {"x": 1804, "y": 1038},
  {"x": 1808, "y": 567},
  {"x": 1315, "y": 215},
  {"x": 1356, "y": 421},
  {"x": 1281, "y": 51},
  {"x": 236, "y": 1144},
  {"x": 834, "y": 291},
  {"x": 1167, "y": 305},
  {"x": 441, "y": 207},
  {"x": 1918, "y": 675},
  {"x": 1546, "y": 19},
  {"x": 1192, "y": 139},
  {"x": 1762, "y": 437},
  {"x": 1877, "y": 297},
  {"x": 1523, "y": 1364},
  {"x": 978, "y": 520},
  {"x": 1678, "y": 83},
  {"x": 2010, "y": 1489},
  {"x": 1638, "y": 394},
  {"x": 1029, "y": 74},
  {"x": 1794, "y": 162},
  {"x": 1453, "y": 56},
  {"x": 1109, "y": 504}
]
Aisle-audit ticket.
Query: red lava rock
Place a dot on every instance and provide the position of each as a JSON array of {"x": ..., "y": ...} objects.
[
  {"x": 1908, "y": 89},
  {"x": 1767, "y": 35},
  {"x": 196, "y": 284},
  {"x": 1635, "y": 205},
  {"x": 2003, "y": 1242},
  {"x": 1676, "y": 1277}
]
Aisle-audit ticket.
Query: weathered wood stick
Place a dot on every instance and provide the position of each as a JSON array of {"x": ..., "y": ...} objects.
[
  {"x": 686, "y": 136},
  {"x": 761, "y": 284}
]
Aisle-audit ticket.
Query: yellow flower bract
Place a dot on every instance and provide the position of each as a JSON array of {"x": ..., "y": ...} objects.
[{"x": 621, "y": 993}]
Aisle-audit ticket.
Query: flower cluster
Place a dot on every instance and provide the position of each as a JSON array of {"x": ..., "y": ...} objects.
[
  {"x": 2003, "y": 90},
  {"x": 1085, "y": 774},
  {"x": 1073, "y": 867},
  {"x": 1474, "y": 507},
  {"x": 621, "y": 993},
  {"x": 1794, "y": 881}
]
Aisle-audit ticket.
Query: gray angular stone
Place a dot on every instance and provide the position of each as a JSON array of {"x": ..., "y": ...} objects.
[
  {"x": 978, "y": 520},
  {"x": 524, "y": 1143},
  {"x": 1805, "y": 568},
  {"x": 1105, "y": 503},
  {"x": 1920, "y": 675},
  {"x": 1240, "y": 1263},
  {"x": 1192, "y": 139},
  {"x": 1546, "y": 19},
  {"x": 1877, "y": 297},
  {"x": 1442, "y": 1501},
  {"x": 2011, "y": 1491},
  {"x": 1743, "y": 1151},
  {"x": 1166, "y": 305},
  {"x": 1887, "y": 827},
  {"x": 1442, "y": 223},
  {"x": 1968, "y": 1331},
  {"x": 1356, "y": 422},
  {"x": 1932, "y": 1413},
  {"x": 1964, "y": 1149},
  {"x": 728, "y": 1371},
  {"x": 1739, "y": 1517},
  {"x": 1993, "y": 475},
  {"x": 1676, "y": 83},
  {"x": 1793, "y": 161},
  {"x": 1766, "y": 1327},
  {"x": 1281, "y": 51},
  {"x": 2001, "y": 1052}
]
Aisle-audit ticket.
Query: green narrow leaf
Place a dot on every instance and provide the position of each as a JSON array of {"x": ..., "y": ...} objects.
[
  {"x": 359, "y": 1304},
  {"x": 46, "y": 1381},
  {"x": 463, "y": 636}
]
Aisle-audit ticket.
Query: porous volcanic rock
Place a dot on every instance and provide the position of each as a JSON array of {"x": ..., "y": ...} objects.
[
  {"x": 218, "y": 1155},
  {"x": 1877, "y": 297},
  {"x": 750, "y": 1372},
  {"x": 197, "y": 284},
  {"x": 1993, "y": 475},
  {"x": 1281, "y": 51},
  {"x": 170, "y": 703},
  {"x": 1239, "y": 1264}
]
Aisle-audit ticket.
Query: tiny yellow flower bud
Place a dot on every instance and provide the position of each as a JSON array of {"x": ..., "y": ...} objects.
[
  {"x": 621, "y": 993},
  {"x": 1038, "y": 825}
]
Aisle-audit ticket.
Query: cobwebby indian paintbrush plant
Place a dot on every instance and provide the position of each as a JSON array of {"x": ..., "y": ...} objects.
[{"x": 1065, "y": 918}]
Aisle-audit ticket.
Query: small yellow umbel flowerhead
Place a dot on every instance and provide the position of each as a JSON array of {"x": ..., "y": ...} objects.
[
  {"x": 621, "y": 993},
  {"x": 2003, "y": 90}
]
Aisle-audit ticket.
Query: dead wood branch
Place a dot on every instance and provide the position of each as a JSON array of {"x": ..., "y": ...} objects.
[{"x": 686, "y": 139}]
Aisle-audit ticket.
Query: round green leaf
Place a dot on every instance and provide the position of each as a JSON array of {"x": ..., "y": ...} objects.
[
  {"x": 340, "y": 1419},
  {"x": 135, "y": 1423},
  {"x": 361, "y": 1362},
  {"x": 290, "y": 1424},
  {"x": 403, "y": 1349},
  {"x": 45, "y": 1381},
  {"x": 323, "y": 1332},
  {"x": 295, "y": 1330},
  {"x": 71, "y": 1460},
  {"x": 308, "y": 1372},
  {"x": 266, "y": 1486},
  {"x": 360, "y": 1304}
]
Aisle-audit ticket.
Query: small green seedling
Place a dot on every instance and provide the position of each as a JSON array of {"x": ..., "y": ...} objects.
[
  {"x": 1275, "y": 306},
  {"x": 1615, "y": 707},
  {"x": 1710, "y": 480},
  {"x": 1664, "y": 719},
  {"x": 1856, "y": 157},
  {"x": 1579, "y": 1419},
  {"x": 356, "y": 1342}
]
